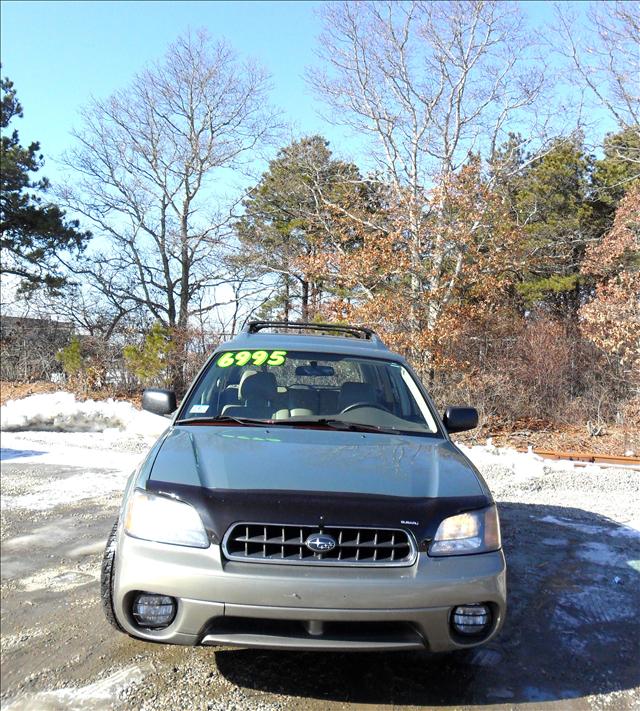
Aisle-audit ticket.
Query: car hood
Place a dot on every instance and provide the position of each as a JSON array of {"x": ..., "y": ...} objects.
[
  {"x": 301, "y": 459},
  {"x": 300, "y": 475}
]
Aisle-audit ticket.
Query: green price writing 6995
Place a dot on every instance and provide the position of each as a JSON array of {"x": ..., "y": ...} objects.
[{"x": 251, "y": 357}]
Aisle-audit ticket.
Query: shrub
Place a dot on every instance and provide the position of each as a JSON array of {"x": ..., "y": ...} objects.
[
  {"x": 148, "y": 361},
  {"x": 70, "y": 357}
]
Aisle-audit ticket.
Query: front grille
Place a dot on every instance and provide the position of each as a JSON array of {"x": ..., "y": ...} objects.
[{"x": 275, "y": 543}]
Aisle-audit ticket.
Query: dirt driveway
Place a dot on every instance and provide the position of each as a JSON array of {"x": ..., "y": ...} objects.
[{"x": 571, "y": 640}]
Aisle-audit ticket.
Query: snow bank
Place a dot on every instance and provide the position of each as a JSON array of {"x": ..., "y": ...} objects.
[{"x": 61, "y": 412}]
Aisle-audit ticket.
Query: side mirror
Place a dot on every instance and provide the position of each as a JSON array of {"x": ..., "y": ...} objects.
[
  {"x": 158, "y": 401},
  {"x": 458, "y": 419}
]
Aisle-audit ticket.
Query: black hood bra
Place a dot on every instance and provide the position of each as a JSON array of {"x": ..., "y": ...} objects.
[{"x": 219, "y": 509}]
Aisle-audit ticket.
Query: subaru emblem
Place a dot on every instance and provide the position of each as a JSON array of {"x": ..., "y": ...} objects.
[{"x": 320, "y": 543}]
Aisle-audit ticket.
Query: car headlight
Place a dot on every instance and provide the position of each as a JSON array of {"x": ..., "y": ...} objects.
[
  {"x": 165, "y": 520},
  {"x": 470, "y": 532}
]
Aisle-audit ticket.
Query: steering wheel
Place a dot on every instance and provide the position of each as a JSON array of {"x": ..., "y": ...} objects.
[{"x": 354, "y": 405}]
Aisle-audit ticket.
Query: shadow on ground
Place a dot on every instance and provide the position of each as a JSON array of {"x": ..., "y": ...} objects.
[{"x": 571, "y": 631}]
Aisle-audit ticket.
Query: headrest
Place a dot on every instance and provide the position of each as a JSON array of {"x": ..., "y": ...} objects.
[
  {"x": 246, "y": 374},
  {"x": 258, "y": 386}
]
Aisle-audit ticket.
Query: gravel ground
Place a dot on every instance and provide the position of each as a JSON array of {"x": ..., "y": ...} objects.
[{"x": 571, "y": 639}]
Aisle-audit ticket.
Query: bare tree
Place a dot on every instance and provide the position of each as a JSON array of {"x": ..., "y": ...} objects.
[
  {"x": 605, "y": 55},
  {"x": 96, "y": 313},
  {"x": 248, "y": 292},
  {"x": 431, "y": 83},
  {"x": 148, "y": 158}
]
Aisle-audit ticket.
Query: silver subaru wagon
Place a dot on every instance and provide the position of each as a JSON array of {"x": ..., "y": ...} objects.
[{"x": 306, "y": 495}]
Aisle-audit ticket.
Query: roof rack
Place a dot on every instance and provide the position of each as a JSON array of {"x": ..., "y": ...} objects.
[{"x": 357, "y": 331}]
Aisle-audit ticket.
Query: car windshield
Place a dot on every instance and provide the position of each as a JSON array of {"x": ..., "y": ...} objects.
[{"x": 302, "y": 388}]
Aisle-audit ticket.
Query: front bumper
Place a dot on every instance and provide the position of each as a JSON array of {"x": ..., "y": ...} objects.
[{"x": 280, "y": 606}]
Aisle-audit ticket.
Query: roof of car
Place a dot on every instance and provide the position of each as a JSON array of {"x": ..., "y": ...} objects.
[{"x": 369, "y": 345}]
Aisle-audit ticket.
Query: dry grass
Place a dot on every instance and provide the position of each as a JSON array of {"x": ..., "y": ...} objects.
[
  {"x": 16, "y": 391},
  {"x": 613, "y": 440}
]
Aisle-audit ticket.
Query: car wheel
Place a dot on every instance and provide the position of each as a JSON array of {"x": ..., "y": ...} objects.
[{"x": 106, "y": 578}]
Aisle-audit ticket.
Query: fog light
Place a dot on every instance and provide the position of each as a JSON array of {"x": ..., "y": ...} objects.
[
  {"x": 154, "y": 611},
  {"x": 471, "y": 619}
]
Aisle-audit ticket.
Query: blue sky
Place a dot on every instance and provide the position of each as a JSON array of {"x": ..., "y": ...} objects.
[{"x": 59, "y": 53}]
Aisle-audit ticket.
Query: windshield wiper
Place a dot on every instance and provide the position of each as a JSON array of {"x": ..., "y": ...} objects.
[
  {"x": 214, "y": 420},
  {"x": 332, "y": 422},
  {"x": 336, "y": 424}
]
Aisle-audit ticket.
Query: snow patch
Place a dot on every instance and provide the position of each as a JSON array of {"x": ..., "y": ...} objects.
[
  {"x": 560, "y": 542},
  {"x": 593, "y": 605},
  {"x": 523, "y": 464},
  {"x": 61, "y": 412},
  {"x": 50, "y": 535},
  {"x": 12, "y": 641},
  {"x": 97, "y": 469},
  {"x": 88, "y": 549},
  {"x": 92, "y": 697},
  {"x": 57, "y": 492},
  {"x": 600, "y": 554},
  {"x": 58, "y": 580},
  {"x": 628, "y": 530}
]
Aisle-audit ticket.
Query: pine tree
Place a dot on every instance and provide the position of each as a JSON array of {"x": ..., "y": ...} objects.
[
  {"x": 553, "y": 204},
  {"x": 290, "y": 217},
  {"x": 32, "y": 230},
  {"x": 616, "y": 173}
]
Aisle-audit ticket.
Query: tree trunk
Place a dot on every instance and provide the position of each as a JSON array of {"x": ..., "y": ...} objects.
[
  {"x": 305, "y": 300},
  {"x": 287, "y": 298}
]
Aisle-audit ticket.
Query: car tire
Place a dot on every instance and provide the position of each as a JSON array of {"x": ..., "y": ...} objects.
[{"x": 106, "y": 578}]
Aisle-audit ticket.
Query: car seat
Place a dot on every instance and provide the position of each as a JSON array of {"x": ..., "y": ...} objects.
[
  {"x": 230, "y": 395},
  {"x": 303, "y": 399},
  {"x": 352, "y": 393},
  {"x": 257, "y": 393}
]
